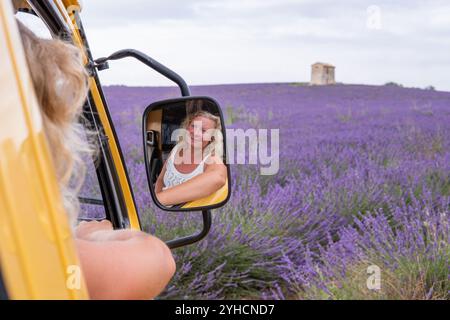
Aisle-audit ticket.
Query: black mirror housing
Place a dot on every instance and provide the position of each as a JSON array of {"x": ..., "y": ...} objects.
[{"x": 162, "y": 125}]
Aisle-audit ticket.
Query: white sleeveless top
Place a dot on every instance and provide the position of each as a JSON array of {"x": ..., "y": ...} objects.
[{"x": 173, "y": 177}]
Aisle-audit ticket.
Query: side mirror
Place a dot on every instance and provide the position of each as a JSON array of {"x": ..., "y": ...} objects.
[
  {"x": 185, "y": 154},
  {"x": 159, "y": 121}
]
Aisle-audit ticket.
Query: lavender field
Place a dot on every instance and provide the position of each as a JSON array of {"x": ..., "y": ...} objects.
[{"x": 364, "y": 180}]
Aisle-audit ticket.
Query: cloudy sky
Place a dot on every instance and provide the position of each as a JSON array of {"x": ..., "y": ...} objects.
[{"x": 245, "y": 41}]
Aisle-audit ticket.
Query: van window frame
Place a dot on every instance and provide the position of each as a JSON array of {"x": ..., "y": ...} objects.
[
  {"x": 3, "y": 291},
  {"x": 112, "y": 196}
]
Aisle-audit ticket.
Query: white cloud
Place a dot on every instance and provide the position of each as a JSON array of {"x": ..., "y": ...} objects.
[{"x": 239, "y": 41}]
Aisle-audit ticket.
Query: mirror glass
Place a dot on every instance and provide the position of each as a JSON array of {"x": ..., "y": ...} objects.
[{"x": 185, "y": 154}]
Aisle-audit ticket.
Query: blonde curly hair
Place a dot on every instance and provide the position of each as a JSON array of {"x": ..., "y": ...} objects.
[{"x": 61, "y": 86}]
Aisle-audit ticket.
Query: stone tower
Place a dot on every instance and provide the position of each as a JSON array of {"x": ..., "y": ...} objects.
[{"x": 322, "y": 74}]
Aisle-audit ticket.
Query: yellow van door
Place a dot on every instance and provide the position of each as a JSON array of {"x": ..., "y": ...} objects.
[{"x": 37, "y": 254}]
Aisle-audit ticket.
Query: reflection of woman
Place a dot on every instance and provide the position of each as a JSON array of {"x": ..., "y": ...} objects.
[
  {"x": 117, "y": 264},
  {"x": 194, "y": 169}
]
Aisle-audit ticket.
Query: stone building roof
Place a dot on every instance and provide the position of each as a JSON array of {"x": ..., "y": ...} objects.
[{"x": 323, "y": 64}]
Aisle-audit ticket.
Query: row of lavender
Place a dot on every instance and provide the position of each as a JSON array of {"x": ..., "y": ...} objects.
[{"x": 364, "y": 181}]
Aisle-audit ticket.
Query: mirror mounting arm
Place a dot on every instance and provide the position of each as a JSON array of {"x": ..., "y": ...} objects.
[
  {"x": 150, "y": 62},
  {"x": 176, "y": 243}
]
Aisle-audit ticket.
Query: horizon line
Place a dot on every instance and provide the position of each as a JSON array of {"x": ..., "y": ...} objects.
[{"x": 298, "y": 83}]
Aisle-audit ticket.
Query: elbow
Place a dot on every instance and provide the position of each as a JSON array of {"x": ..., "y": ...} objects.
[
  {"x": 220, "y": 181},
  {"x": 162, "y": 199},
  {"x": 166, "y": 258},
  {"x": 168, "y": 261},
  {"x": 166, "y": 266},
  {"x": 138, "y": 268},
  {"x": 153, "y": 275}
]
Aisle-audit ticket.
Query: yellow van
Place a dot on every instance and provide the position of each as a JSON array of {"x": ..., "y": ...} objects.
[{"x": 37, "y": 255}]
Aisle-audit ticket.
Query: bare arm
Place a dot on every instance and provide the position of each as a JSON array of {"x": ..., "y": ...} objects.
[
  {"x": 201, "y": 186},
  {"x": 123, "y": 264}
]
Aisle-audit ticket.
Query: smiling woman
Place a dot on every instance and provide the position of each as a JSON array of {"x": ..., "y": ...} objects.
[
  {"x": 117, "y": 264},
  {"x": 194, "y": 168},
  {"x": 185, "y": 154}
]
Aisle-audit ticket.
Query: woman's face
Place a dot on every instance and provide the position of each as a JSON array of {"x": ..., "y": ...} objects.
[{"x": 200, "y": 131}]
